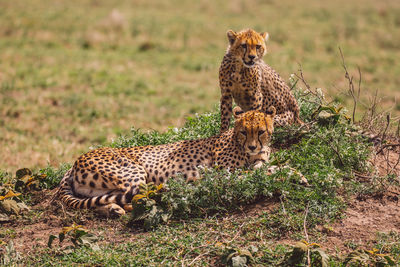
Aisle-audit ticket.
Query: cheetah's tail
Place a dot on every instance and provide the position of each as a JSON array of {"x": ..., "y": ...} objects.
[{"x": 67, "y": 195}]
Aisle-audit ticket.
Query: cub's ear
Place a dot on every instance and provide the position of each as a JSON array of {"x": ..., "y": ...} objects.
[
  {"x": 231, "y": 36},
  {"x": 237, "y": 112},
  {"x": 271, "y": 111},
  {"x": 265, "y": 35}
]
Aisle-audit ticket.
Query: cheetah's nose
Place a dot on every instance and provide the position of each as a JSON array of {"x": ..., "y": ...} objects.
[
  {"x": 252, "y": 57},
  {"x": 252, "y": 147}
]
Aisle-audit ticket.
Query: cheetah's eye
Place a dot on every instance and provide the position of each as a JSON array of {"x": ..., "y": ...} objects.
[
  {"x": 261, "y": 132},
  {"x": 244, "y": 45},
  {"x": 258, "y": 47},
  {"x": 243, "y": 132}
]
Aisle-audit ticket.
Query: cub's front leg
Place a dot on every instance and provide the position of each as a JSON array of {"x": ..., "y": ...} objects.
[{"x": 225, "y": 105}]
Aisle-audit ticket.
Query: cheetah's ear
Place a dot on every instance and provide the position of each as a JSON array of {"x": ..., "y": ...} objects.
[
  {"x": 231, "y": 36},
  {"x": 265, "y": 35},
  {"x": 271, "y": 111},
  {"x": 237, "y": 112}
]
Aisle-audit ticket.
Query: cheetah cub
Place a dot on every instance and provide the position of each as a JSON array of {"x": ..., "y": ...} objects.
[
  {"x": 246, "y": 78},
  {"x": 106, "y": 179}
]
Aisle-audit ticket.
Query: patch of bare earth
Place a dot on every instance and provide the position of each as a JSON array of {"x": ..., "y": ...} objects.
[
  {"x": 368, "y": 215},
  {"x": 364, "y": 218},
  {"x": 32, "y": 233}
]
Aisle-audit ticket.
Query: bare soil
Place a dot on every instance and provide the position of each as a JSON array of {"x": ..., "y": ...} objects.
[{"x": 367, "y": 215}]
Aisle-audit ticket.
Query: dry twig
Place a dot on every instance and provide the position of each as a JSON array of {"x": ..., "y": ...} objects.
[
  {"x": 352, "y": 91},
  {"x": 333, "y": 148},
  {"x": 386, "y": 146},
  {"x": 306, "y": 235},
  {"x": 300, "y": 76}
]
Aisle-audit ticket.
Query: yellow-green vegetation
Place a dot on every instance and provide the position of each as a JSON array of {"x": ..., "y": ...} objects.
[
  {"x": 207, "y": 222},
  {"x": 78, "y": 73},
  {"x": 75, "y": 74}
]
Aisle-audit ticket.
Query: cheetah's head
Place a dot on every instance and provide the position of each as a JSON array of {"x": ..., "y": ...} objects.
[
  {"x": 253, "y": 129},
  {"x": 247, "y": 46}
]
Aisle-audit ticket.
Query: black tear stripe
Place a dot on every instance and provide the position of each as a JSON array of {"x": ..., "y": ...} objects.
[{"x": 261, "y": 145}]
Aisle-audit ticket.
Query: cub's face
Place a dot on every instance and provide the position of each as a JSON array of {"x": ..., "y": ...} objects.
[
  {"x": 247, "y": 46},
  {"x": 253, "y": 129}
]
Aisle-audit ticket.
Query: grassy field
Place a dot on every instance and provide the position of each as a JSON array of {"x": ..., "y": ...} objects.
[
  {"x": 74, "y": 74},
  {"x": 80, "y": 74}
]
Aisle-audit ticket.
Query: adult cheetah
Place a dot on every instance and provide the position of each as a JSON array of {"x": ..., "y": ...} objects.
[
  {"x": 106, "y": 179},
  {"x": 246, "y": 78}
]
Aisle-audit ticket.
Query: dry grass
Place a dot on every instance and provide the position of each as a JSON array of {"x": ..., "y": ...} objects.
[{"x": 77, "y": 73}]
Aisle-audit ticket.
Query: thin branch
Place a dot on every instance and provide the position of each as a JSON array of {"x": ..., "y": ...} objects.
[
  {"x": 359, "y": 82},
  {"x": 398, "y": 129},
  {"x": 351, "y": 84},
  {"x": 386, "y": 146},
  {"x": 283, "y": 205},
  {"x": 361, "y": 175},
  {"x": 193, "y": 249},
  {"x": 386, "y": 128},
  {"x": 305, "y": 222},
  {"x": 301, "y": 77},
  {"x": 395, "y": 165},
  {"x": 303, "y": 80},
  {"x": 333, "y": 148},
  {"x": 306, "y": 235},
  {"x": 200, "y": 255}
]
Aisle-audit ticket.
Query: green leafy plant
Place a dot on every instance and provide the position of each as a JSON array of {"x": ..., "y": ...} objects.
[
  {"x": 307, "y": 252},
  {"x": 237, "y": 257},
  {"x": 363, "y": 257},
  {"x": 329, "y": 114},
  {"x": 78, "y": 235},
  {"x": 26, "y": 180},
  {"x": 148, "y": 208},
  {"x": 8, "y": 255},
  {"x": 10, "y": 205}
]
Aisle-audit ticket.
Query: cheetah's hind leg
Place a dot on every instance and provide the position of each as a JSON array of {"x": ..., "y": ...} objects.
[{"x": 123, "y": 200}]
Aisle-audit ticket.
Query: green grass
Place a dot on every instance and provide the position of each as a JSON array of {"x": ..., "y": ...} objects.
[{"x": 77, "y": 74}]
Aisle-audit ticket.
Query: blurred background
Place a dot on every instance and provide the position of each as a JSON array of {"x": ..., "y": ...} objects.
[{"x": 75, "y": 74}]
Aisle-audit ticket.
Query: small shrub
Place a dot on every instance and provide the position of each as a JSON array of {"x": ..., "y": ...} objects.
[
  {"x": 77, "y": 235},
  {"x": 325, "y": 152},
  {"x": 200, "y": 126},
  {"x": 53, "y": 175}
]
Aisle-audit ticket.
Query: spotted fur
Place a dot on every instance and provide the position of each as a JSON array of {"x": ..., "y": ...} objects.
[
  {"x": 247, "y": 79},
  {"x": 106, "y": 179}
]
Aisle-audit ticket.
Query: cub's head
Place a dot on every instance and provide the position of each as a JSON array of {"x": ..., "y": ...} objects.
[
  {"x": 247, "y": 46},
  {"x": 253, "y": 129}
]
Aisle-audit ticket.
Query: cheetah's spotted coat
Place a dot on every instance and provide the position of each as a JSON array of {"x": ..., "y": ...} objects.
[
  {"x": 254, "y": 85},
  {"x": 107, "y": 178}
]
